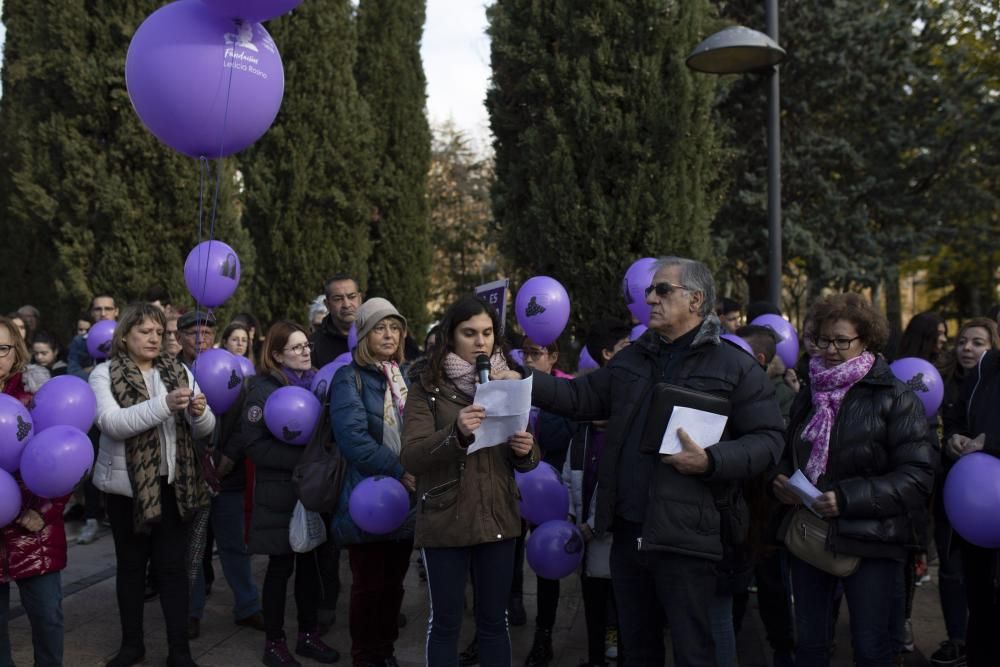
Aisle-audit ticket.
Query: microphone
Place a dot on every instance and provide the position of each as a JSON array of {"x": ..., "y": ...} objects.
[{"x": 483, "y": 368}]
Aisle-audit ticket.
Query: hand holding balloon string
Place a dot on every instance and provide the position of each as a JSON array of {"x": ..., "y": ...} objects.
[
  {"x": 179, "y": 399},
  {"x": 197, "y": 405}
]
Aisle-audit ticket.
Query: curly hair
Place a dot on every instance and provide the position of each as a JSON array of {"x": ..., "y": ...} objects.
[{"x": 872, "y": 326}]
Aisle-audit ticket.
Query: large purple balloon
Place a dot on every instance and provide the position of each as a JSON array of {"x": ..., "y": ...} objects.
[
  {"x": 203, "y": 84},
  {"x": 254, "y": 11},
  {"x": 10, "y": 498},
  {"x": 379, "y": 505},
  {"x": 219, "y": 377},
  {"x": 16, "y": 429},
  {"x": 738, "y": 342},
  {"x": 246, "y": 366},
  {"x": 543, "y": 496},
  {"x": 788, "y": 343},
  {"x": 542, "y": 307},
  {"x": 638, "y": 277},
  {"x": 586, "y": 362},
  {"x": 56, "y": 460},
  {"x": 64, "y": 401},
  {"x": 212, "y": 273},
  {"x": 637, "y": 331},
  {"x": 321, "y": 382},
  {"x": 925, "y": 381},
  {"x": 99, "y": 339},
  {"x": 972, "y": 499},
  {"x": 554, "y": 549},
  {"x": 290, "y": 414}
]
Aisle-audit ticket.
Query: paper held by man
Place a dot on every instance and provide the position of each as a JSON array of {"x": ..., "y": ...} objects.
[
  {"x": 704, "y": 427},
  {"x": 508, "y": 405}
]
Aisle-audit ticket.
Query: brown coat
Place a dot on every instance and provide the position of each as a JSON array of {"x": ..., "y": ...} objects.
[{"x": 462, "y": 499}]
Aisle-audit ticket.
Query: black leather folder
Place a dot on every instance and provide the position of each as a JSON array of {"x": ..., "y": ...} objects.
[{"x": 665, "y": 398}]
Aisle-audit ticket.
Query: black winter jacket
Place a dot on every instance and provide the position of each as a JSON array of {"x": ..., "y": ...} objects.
[
  {"x": 329, "y": 343},
  {"x": 977, "y": 411},
  {"x": 881, "y": 464},
  {"x": 681, "y": 513}
]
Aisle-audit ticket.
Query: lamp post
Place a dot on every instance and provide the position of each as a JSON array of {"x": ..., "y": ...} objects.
[{"x": 740, "y": 50}]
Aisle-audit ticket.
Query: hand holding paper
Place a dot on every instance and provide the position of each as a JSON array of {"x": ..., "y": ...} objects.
[
  {"x": 692, "y": 459},
  {"x": 507, "y": 404}
]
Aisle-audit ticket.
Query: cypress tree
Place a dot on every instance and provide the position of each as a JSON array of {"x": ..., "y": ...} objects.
[
  {"x": 391, "y": 80},
  {"x": 89, "y": 200},
  {"x": 606, "y": 150},
  {"x": 308, "y": 180}
]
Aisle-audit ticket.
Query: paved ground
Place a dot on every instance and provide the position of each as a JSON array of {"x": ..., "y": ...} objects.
[{"x": 92, "y": 630}]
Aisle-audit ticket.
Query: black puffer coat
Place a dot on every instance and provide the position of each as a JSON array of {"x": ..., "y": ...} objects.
[
  {"x": 681, "y": 512},
  {"x": 273, "y": 495},
  {"x": 881, "y": 464}
]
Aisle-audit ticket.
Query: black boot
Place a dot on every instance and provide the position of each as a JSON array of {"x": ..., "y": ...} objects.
[
  {"x": 128, "y": 655},
  {"x": 470, "y": 656},
  {"x": 541, "y": 649}
]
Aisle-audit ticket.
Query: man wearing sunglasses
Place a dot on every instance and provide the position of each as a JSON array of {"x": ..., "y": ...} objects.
[{"x": 684, "y": 512}]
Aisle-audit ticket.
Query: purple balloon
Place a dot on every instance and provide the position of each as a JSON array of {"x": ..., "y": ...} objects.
[
  {"x": 788, "y": 343},
  {"x": 56, "y": 460},
  {"x": 324, "y": 377},
  {"x": 64, "y": 401},
  {"x": 925, "y": 381},
  {"x": 254, "y": 11},
  {"x": 637, "y": 331},
  {"x": 586, "y": 362},
  {"x": 246, "y": 366},
  {"x": 738, "y": 342},
  {"x": 352, "y": 338},
  {"x": 543, "y": 496},
  {"x": 972, "y": 499},
  {"x": 379, "y": 505},
  {"x": 10, "y": 498},
  {"x": 99, "y": 339},
  {"x": 290, "y": 414},
  {"x": 212, "y": 273},
  {"x": 218, "y": 375},
  {"x": 16, "y": 429},
  {"x": 518, "y": 356},
  {"x": 638, "y": 277},
  {"x": 542, "y": 307},
  {"x": 203, "y": 84},
  {"x": 554, "y": 549}
]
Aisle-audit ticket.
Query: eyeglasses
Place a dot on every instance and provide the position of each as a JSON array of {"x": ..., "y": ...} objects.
[
  {"x": 383, "y": 328},
  {"x": 301, "y": 348},
  {"x": 663, "y": 289},
  {"x": 823, "y": 343},
  {"x": 5, "y": 350}
]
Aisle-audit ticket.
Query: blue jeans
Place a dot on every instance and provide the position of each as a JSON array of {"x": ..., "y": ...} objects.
[
  {"x": 227, "y": 524},
  {"x": 869, "y": 592},
  {"x": 41, "y": 598},
  {"x": 447, "y": 571}
]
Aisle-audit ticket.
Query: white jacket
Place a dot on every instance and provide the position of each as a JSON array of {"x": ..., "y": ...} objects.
[{"x": 118, "y": 424}]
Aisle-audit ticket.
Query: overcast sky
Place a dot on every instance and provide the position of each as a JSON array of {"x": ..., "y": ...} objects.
[{"x": 456, "y": 55}]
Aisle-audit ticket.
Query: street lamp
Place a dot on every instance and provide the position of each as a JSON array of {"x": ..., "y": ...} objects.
[{"x": 739, "y": 50}]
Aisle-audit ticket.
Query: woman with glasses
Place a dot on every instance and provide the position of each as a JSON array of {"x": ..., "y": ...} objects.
[
  {"x": 860, "y": 436},
  {"x": 286, "y": 360},
  {"x": 367, "y": 406}
]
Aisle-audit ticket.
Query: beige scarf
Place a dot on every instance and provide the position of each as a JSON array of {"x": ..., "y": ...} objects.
[{"x": 393, "y": 405}]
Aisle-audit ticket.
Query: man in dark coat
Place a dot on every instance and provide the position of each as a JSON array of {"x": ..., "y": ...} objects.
[
  {"x": 672, "y": 517},
  {"x": 343, "y": 298}
]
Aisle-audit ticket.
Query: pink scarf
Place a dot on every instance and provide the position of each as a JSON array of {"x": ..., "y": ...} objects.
[
  {"x": 829, "y": 386},
  {"x": 463, "y": 374}
]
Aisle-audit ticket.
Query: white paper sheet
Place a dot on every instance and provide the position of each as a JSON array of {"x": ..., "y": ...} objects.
[
  {"x": 508, "y": 404},
  {"x": 705, "y": 428},
  {"x": 805, "y": 490}
]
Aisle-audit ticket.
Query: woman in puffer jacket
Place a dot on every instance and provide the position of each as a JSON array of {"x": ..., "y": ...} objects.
[
  {"x": 860, "y": 436},
  {"x": 33, "y": 550}
]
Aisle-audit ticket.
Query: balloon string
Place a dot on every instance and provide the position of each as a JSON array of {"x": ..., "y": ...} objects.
[{"x": 202, "y": 171}]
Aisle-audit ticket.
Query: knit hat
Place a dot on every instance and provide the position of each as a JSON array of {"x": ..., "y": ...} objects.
[{"x": 372, "y": 312}]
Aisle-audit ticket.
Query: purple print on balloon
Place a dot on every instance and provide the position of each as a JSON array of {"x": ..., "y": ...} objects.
[
  {"x": 65, "y": 400},
  {"x": 56, "y": 461},
  {"x": 972, "y": 499},
  {"x": 16, "y": 429},
  {"x": 637, "y": 278},
  {"x": 99, "y": 339},
  {"x": 291, "y": 413},
  {"x": 379, "y": 505},
  {"x": 254, "y": 11},
  {"x": 924, "y": 379},
  {"x": 554, "y": 549},
  {"x": 212, "y": 273},
  {"x": 10, "y": 498},
  {"x": 202, "y": 83},
  {"x": 542, "y": 309},
  {"x": 217, "y": 373}
]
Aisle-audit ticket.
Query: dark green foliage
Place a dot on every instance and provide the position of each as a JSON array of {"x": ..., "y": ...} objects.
[
  {"x": 391, "y": 80},
  {"x": 89, "y": 200},
  {"x": 606, "y": 149},
  {"x": 307, "y": 181}
]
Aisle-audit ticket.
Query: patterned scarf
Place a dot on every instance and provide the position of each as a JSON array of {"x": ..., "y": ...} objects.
[
  {"x": 393, "y": 406},
  {"x": 463, "y": 374},
  {"x": 829, "y": 386},
  {"x": 142, "y": 451}
]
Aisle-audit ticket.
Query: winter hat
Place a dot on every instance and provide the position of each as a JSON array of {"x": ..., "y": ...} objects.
[{"x": 372, "y": 312}]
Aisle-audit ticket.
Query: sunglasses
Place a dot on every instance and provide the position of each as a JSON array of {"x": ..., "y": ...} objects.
[{"x": 663, "y": 289}]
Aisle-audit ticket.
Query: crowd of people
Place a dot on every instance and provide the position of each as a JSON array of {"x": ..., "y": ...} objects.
[{"x": 674, "y": 543}]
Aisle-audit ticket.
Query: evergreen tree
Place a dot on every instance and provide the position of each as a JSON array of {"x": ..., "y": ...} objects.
[
  {"x": 606, "y": 149},
  {"x": 391, "y": 80},
  {"x": 89, "y": 200},
  {"x": 308, "y": 180}
]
